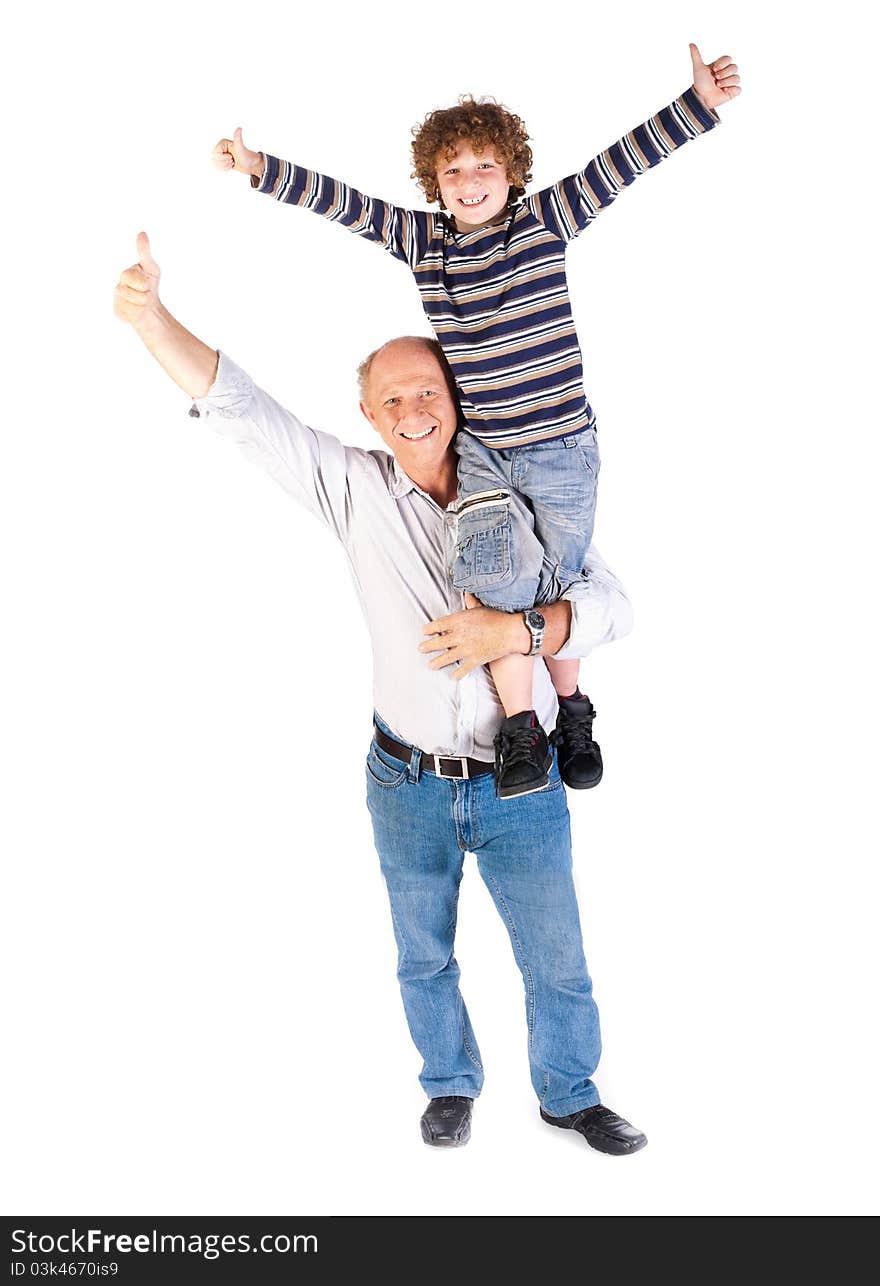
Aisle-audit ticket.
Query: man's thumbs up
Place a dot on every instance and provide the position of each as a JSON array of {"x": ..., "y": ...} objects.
[
  {"x": 136, "y": 297},
  {"x": 145, "y": 256}
]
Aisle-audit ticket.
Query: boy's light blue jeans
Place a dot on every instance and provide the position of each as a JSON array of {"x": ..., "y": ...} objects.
[
  {"x": 423, "y": 825},
  {"x": 496, "y": 557}
]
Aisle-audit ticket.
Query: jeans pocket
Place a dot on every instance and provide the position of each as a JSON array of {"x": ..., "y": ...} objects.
[
  {"x": 483, "y": 545},
  {"x": 590, "y": 451},
  {"x": 384, "y": 770}
]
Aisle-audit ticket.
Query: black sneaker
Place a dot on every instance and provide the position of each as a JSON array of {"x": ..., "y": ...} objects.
[
  {"x": 522, "y": 756},
  {"x": 446, "y": 1122},
  {"x": 580, "y": 759},
  {"x": 603, "y": 1129}
]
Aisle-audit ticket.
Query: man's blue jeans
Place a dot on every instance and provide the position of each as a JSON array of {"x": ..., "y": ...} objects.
[{"x": 423, "y": 826}]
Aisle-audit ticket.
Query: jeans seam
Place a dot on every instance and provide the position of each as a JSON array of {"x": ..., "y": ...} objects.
[
  {"x": 398, "y": 933},
  {"x": 464, "y": 1040},
  {"x": 530, "y": 982}
]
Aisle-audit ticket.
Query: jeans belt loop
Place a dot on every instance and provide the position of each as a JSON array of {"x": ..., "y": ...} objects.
[{"x": 415, "y": 764}]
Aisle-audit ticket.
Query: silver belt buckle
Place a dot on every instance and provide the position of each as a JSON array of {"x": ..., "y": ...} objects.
[{"x": 451, "y": 776}]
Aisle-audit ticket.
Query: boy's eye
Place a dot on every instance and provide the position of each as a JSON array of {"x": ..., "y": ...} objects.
[
  {"x": 485, "y": 165},
  {"x": 453, "y": 171}
]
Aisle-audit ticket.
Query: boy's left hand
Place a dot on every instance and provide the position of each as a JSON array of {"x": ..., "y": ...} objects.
[{"x": 716, "y": 82}]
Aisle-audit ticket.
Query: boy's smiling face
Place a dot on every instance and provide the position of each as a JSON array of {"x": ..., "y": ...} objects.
[{"x": 474, "y": 185}]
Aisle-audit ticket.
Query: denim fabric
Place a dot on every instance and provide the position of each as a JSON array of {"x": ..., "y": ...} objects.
[
  {"x": 493, "y": 559},
  {"x": 423, "y": 826}
]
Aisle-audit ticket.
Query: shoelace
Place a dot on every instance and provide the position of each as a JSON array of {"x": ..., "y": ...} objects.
[
  {"x": 578, "y": 733},
  {"x": 515, "y": 747}
]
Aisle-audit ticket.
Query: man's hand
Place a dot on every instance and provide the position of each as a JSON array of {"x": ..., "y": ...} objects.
[
  {"x": 475, "y": 637},
  {"x": 231, "y": 154},
  {"x": 136, "y": 298},
  {"x": 716, "y": 82},
  {"x": 190, "y": 363}
]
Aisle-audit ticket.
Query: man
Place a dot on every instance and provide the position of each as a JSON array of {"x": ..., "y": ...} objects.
[{"x": 430, "y": 787}]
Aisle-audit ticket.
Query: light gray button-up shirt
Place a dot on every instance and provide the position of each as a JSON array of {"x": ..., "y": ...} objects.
[{"x": 400, "y": 546}]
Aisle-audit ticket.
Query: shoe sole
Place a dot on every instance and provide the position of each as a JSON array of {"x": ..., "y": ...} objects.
[{"x": 445, "y": 1143}]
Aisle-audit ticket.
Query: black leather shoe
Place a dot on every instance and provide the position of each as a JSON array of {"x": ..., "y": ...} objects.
[
  {"x": 603, "y": 1129},
  {"x": 522, "y": 756},
  {"x": 580, "y": 759},
  {"x": 446, "y": 1122}
]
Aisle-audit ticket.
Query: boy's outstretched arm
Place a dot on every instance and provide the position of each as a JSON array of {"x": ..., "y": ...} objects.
[
  {"x": 404, "y": 233},
  {"x": 570, "y": 206}
]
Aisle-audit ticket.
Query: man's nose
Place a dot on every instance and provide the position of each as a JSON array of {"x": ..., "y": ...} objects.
[{"x": 417, "y": 415}]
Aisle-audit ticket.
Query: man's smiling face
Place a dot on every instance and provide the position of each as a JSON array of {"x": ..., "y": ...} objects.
[
  {"x": 410, "y": 405},
  {"x": 474, "y": 185}
]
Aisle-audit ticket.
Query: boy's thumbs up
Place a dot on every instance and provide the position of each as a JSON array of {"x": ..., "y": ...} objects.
[
  {"x": 715, "y": 82},
  {"x": 234, "y": 154}
]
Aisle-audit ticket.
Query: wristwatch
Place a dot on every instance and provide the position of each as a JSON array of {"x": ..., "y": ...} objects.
[{"x": 535, "y": 625}]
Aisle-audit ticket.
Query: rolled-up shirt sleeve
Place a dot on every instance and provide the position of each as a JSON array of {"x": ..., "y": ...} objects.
[
  {"x": 600, "y": 610},
  {"x": 312, "y": 467}
]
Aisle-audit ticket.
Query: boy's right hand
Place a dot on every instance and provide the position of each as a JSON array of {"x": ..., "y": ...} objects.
[{"x": 231, "y": 154}]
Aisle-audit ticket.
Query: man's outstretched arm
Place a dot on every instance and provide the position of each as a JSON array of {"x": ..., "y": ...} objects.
[
  {"x": 190, "y": 363},
  {"x": 598, "y": 612},
  {"x": 312, "y": 467}
]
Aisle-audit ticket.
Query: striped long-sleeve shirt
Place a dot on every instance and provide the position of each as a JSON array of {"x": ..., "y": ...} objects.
[{"x": 497, "y": 297}]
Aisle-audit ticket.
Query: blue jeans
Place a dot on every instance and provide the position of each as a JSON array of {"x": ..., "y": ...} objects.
[
  {"x": 496, "y": 546},
  {"x": 423, "y": 826}
]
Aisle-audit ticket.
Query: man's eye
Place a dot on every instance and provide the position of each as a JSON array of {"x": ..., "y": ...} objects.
[
  {"x": 392, "y": 401},
  {"x": 429, "y": 392}
]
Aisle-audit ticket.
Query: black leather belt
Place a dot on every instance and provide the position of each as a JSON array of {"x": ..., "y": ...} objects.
[{"x": 461, "y": 769}]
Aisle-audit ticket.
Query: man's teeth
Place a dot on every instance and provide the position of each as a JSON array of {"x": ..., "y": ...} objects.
[
  {"x": 471, "y": 200},
  {"x": 414, "y": 437}
]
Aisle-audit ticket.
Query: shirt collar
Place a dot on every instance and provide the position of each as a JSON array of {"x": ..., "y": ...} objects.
[{"x": 401, "y": 483}]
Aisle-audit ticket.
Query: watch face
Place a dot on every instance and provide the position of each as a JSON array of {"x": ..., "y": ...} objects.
[{"x": 536, "y": 620}]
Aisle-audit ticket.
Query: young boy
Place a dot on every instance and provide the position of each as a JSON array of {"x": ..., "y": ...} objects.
[{"x": 491, "y": 274}]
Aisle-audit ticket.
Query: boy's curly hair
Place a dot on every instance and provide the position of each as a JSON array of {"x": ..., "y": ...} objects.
[{"x": 487, "y": 126}]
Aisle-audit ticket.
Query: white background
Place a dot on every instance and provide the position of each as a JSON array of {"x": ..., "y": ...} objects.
[{"x": 201, "y": 1010}]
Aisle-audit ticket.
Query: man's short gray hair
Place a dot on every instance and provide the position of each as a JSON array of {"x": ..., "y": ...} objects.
[{"x": 363, "y": 371}]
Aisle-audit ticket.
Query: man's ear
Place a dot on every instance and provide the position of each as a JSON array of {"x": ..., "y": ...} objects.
[{"x": 367, "y": 414}]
